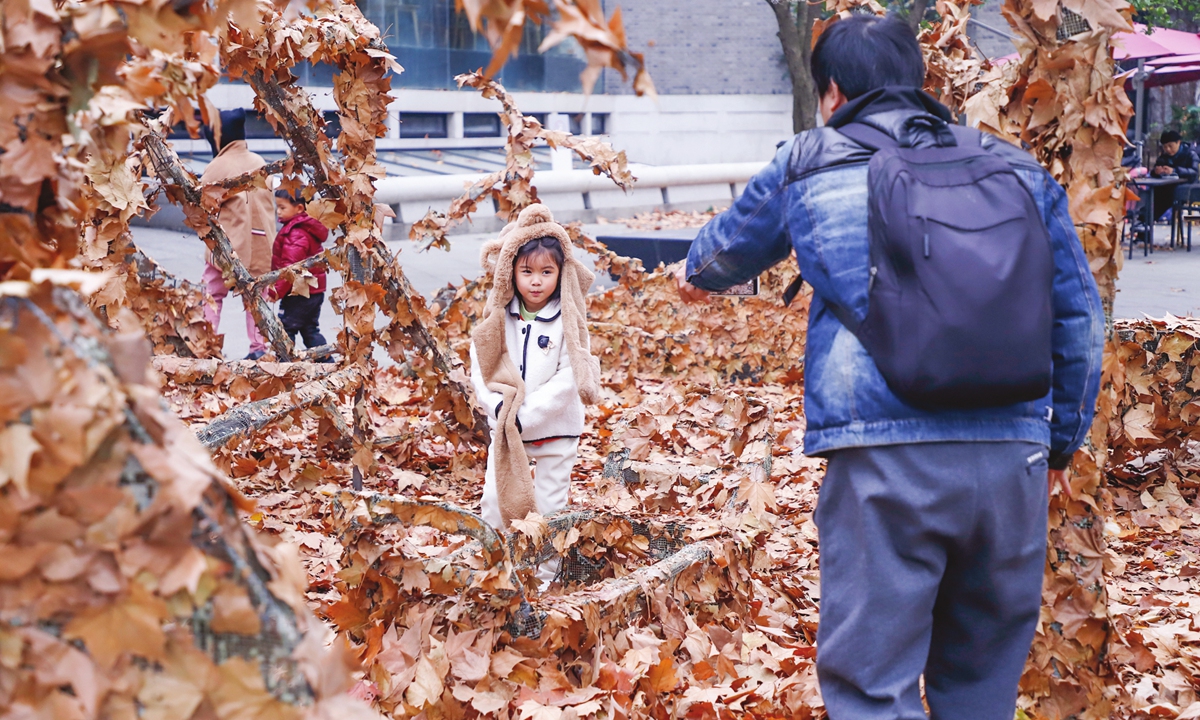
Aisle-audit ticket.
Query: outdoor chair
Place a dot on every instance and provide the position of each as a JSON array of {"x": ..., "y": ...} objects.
[
  {"x": 1187, "y": 210},
  {"x": 1134, "y": 228}
]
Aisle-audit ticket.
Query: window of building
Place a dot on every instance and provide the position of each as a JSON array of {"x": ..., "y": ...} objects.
[
  {"x": 423, "y": 125},
  {"x": 599, "y": 123},
  {"x": 481, "y": 125},
  {"x": 434, "y": 43},
  {"x": 257, "y": 127}
]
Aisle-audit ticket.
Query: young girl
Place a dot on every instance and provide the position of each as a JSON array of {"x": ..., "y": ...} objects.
[
  {"x": 299, "y": 239},
  {"x": 532, "y": 367}
]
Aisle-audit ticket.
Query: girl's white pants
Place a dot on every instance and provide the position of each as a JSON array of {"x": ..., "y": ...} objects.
[
  {"x": 551, "y": 489},
  {"x": 551, "y": 479}
]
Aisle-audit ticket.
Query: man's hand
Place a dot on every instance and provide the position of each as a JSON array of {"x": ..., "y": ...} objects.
[
  {"x": 1059, "y": 478},
  {"x": 689, "y": 292},
  {"x": 1164, "y": 170}
]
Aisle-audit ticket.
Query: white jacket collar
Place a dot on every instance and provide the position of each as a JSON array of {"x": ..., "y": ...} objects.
[{"x": 549, "y": 313}]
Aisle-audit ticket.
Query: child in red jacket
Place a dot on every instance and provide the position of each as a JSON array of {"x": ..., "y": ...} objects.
[{"x": 299, "y": 239}]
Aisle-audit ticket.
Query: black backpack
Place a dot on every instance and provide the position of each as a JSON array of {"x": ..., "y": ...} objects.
[{"x": 962, "y": 272}]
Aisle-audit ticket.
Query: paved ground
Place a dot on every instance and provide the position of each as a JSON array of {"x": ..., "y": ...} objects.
[{"x": 1165, "y": 282}]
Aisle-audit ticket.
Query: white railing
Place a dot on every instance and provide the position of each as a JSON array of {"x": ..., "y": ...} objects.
[{"x": 430, "y": 188}]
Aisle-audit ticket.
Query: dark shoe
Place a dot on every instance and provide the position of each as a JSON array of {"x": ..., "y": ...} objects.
[{"x": 256, "y": 354}]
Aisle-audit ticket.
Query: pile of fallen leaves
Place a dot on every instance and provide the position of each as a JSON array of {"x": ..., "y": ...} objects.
[
  {"x": 132, "y": 586},
  {"x": 689, "y": 583},
  {"x": 1154, "y": 527},
  {"x": 665, "y": 219}
]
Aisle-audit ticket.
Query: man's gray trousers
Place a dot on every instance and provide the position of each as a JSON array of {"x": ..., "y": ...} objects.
[{"x": 931, "y": 563}]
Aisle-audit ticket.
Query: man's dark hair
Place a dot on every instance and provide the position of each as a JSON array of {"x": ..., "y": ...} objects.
[
  {"x": 233, "y": 127},
  {"x": 863, "y": 52},
  {"x": 1170, "y": 136},
  {"x": 549, "y": 245}
]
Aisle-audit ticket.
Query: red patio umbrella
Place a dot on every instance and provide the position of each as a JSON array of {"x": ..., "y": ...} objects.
[
  {"x": 1137, "y": 46},
  {"x": 1175, "y": 60},
  {"x": 1176, "y": 42}
]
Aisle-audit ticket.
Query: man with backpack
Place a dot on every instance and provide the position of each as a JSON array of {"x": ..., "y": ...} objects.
[{"x": 952, "y": 365}]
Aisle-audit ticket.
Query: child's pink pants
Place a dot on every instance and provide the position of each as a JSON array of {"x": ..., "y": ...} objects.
[{"x": 215, "y": 285}]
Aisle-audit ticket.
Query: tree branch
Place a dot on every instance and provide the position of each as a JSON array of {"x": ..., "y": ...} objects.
[
  {"x": 246, "y": 180},
  {"x": 403, "y": 304},
  {"x": 245, "y": 419},
  {"x": 265, "y": 281},
  {"x": 193, "y": 371}
]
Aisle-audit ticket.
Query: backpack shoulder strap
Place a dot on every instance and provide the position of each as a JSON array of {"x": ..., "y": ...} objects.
[
  {"x": 868, "y": 136},
  {"x": 844, "y": 316},
  {"x": 793, "y": 289},
  {"x": 966, "y": 136}
]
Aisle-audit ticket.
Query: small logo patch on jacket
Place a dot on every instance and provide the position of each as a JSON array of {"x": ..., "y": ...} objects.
[{"x": 544, "y": 343}]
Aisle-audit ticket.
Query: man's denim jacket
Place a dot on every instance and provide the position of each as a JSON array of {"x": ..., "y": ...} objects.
[{"x": 813, "y": 199}]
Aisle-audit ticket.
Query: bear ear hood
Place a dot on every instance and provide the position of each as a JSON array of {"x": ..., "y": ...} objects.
[{"x": 534, "y": 222}]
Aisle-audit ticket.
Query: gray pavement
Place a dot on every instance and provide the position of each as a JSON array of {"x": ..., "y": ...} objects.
[{"x": 1166, "y": 282}]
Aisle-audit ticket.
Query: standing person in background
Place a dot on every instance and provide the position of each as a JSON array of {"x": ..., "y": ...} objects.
[
  {"x": 248, "y": 219},
  {"x": 300, "y": 238}
]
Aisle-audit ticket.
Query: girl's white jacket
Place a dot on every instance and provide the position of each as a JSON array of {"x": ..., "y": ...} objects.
[{"x": 552, "y": 408}]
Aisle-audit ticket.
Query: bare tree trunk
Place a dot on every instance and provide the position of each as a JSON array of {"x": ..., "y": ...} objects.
[
  {"x": 795, "y": 20},
  {"x": 916, "y": 14}
]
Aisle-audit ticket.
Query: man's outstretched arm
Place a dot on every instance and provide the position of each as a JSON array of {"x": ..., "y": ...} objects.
[{"x": 740, "y": 243}]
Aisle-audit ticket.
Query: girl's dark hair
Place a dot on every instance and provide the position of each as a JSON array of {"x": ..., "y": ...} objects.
[
  {"x": 864, "y": 52},
  {"x": 549, "y": 245},
  {"x": 294, "y": 198}
]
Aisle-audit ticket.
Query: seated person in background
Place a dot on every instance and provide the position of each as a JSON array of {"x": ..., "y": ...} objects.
[{"x": 1175, "y": 160}]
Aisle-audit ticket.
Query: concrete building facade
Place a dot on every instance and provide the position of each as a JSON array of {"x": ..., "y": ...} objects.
[
  {"x": 724, "y": 94},
  {"x": 724, "y": 91}
]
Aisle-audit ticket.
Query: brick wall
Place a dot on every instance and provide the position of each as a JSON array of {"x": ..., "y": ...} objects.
[{"x": 694, "y": 47}]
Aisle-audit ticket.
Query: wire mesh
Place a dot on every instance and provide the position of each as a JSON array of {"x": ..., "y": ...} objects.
[
  {"x": 579, "y": 569},
  {"x": 526, "y": 622},
  {"x": 1071, "y": 23}
]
